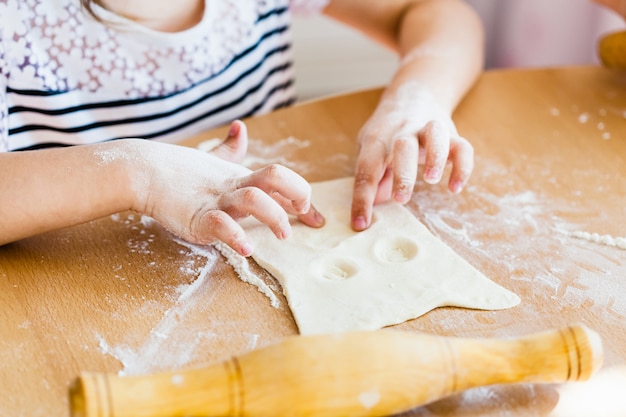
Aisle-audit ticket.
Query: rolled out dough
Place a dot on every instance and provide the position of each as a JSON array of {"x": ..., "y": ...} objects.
[{"x": 339, "y": 280}]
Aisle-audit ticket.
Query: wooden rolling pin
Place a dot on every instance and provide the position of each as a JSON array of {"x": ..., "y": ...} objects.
[
  {"x": 612, "y": 50},
  {"x": 353, "y": 374}
]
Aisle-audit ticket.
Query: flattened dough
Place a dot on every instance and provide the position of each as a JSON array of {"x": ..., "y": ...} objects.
[{"x": 337, "y": 280}]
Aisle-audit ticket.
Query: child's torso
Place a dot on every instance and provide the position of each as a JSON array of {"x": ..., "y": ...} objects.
[{"x": 71, "y": 79}]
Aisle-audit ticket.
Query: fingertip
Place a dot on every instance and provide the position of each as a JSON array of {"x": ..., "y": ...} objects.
[
  {"x": 283, "y": 232},
  {"x": 243, "y": 128},
  {"x": 403, "y": 188},
  {"x": 462, "y": 158},
  {"x": 246, "y": 249},
  {"x": 459, "y": 178},
  {"x": 359, "y": 223},
  {"x": 320, "y": 220},
  {"x": 217, "y": 225},
  {"x": 301, "y": 207},
  {"x": 235, "y": 128},
  {"x": 317, "y": 218},
  {"x": 432, "y": 175},
  {"x": 401, "y": 197},
  {"x": 365, "y": 194},
  {"x": 456, "y": 186},
  {"x": 312, "y": 218}
]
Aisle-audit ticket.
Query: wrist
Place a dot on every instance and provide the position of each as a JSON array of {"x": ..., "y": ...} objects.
[
  {"x": 124, "y": 162},
  {"x": 406, "y": 108}
]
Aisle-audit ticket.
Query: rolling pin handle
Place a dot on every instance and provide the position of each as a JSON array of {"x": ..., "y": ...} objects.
[{"x": 612, "y": 50}]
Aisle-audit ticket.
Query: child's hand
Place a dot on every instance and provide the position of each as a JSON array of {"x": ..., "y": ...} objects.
[
  {"x": 199, "y": 196},
  {"x": 408, "y": 128}
]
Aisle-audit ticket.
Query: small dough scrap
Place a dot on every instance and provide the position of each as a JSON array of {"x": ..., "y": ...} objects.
[{"x": 337, "y": 280}]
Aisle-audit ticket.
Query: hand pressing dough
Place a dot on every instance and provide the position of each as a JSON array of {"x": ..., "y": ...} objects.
[{"x": 338, "y": 280}]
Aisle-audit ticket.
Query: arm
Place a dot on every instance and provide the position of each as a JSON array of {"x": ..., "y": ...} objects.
[
  {"x": 618, "y": 6},
  {"x": 49, "y": 189},
  {"x": 195, "y": 195},
  {"x": 440, "y": 43}
]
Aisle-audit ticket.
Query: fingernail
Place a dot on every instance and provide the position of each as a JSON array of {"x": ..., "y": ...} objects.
[
  {"x": 431, "y": 175},
  {"x": 284, "y": 232},
  {"x": 234, "y": 129},
  {"x": 319, "y": 219},
  {"x": 246, "y": 249},
  {"x": 359, "y": 223},
  {"x": 456, "y": 187},
  {"x": 400, "y": 197}
]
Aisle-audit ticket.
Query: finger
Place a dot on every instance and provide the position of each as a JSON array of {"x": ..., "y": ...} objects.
[
  {"x": 385, "y": 187},
  {"x": 370, "y": 168},
  {"x": 435, "y": 138},
  {"x": 283, "y": 181},
  {"x": 216, "y": 224},
  {"x": 252, "y": 201},
  {"x": 405, "y": 157},
  {"x": 462, "y": 158},
  {"x": 312, "y": 218},
  {"x": 235, "y": 145}
]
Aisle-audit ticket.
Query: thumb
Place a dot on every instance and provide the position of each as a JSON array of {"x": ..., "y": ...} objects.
[{"x": 235, "y": 146}]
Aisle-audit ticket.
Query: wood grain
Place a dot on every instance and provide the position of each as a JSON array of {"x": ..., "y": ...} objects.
[
  {"x": 358, "y": 374},
  {"x": 121, "y": 294}
]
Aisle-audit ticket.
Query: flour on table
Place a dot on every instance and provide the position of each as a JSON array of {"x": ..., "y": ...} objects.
[
  {"x": 261, "y": 153},
  {"x": 242, "y": 268},
  {"x": 607, "y": 240},
  {"x": 338, "y": 280}
]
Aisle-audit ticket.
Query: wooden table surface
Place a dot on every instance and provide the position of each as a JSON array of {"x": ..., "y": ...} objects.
[{"x": 122, "y": 295}]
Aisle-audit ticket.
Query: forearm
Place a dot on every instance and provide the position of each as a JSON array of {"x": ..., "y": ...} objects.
[
  {"x": 54, "y": 188},
  {"x": 195, "y": 195},
  {"x": 440, "y": 43},
  {"x": 618, "y": 6}
]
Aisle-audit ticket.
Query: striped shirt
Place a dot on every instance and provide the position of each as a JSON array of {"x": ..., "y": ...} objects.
[{"x": 67, "y": 78}]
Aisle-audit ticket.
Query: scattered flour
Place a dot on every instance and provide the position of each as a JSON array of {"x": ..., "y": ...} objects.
[
  {"x": 242, "y": 268},
  {"x": 522, "y": 236},
  {"x": 586, "y": 117},
  {"x": 173, "y": 343},
  {"x": 608, "y": 240},
  {"x": 159, "y": 347},
  {"x": 261, "y": 154}
]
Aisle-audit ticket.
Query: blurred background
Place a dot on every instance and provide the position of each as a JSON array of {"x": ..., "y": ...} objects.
[{"x": 330, "y": 58}]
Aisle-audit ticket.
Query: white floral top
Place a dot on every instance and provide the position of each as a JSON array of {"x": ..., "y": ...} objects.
[{"x": 67, "y": 78}]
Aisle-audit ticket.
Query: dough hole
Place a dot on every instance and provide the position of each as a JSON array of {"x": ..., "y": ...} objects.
[
  {"x": 396, "y": 249},
  {"x": 336, "y": 269}
]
